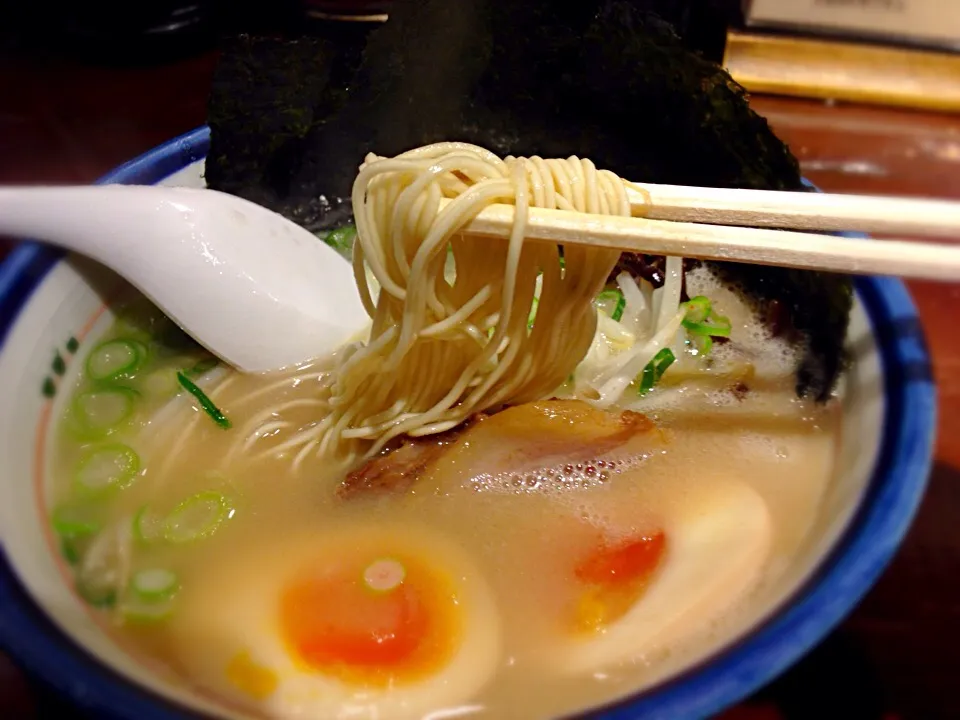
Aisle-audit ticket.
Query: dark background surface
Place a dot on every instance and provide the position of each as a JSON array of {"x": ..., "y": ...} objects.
[{"x": 68, "y": 117}]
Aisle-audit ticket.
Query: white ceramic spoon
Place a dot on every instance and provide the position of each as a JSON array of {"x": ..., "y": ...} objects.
[{"x": 252, "y": 287}]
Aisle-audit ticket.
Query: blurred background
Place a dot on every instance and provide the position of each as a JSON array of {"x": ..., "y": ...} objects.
[{"x": 866, "y": 93}]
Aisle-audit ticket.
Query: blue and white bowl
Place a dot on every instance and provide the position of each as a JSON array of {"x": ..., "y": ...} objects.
[{"x": 46, "y": 299}]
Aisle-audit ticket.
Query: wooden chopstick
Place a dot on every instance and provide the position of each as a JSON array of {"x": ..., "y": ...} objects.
[
  {"x": 844, "y": 70},
  {"x": 797, "y": 210},
  {"x": 761, "y": 246}
]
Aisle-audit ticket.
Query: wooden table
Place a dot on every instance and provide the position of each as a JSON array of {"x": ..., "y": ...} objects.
[{"x": 898, "y": 655}]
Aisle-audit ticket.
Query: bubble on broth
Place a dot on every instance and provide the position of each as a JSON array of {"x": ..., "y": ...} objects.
[{"x": 573, "y": 476}]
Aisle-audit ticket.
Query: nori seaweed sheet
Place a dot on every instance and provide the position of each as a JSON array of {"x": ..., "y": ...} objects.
[{"x": 604, "y": 79}]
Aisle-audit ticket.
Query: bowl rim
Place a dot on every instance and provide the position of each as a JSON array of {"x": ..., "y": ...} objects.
[{"x": 804, "y": 618}]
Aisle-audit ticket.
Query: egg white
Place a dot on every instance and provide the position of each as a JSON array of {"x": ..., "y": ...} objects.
[
  {"x": 233, "y": 608},
  {"x": 718, "y": 540}
]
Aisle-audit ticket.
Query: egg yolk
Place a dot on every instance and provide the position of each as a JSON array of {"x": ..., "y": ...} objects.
[
  {"x": 613, "y": 577},
  {"x": 256, "y": 681},
  {"x": 375, "y": 622}
]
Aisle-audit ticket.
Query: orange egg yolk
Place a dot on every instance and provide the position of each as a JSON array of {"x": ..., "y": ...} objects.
[
  {"x": 376, "y": 622},
  {"x": 613, "y": 577}
]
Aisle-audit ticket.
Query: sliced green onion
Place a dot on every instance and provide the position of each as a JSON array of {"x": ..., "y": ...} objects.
[
  {"x": 147, "y": 527},
  {"x": 154, "y": 584},
  {"x": 70, "y": 548},
  {"x": 137, "y": 611},
  {"x": 613, "y": 303},
  {"x": 341, "y": 239},
  {"x": 161, "y": 383},
  {"x": 197, "y": 517},
  {"x": 703, "y": 324},
  {"x": 654, "y": 370},
  {"x": 715, "y": 326},
  {"x": 703, "y": 344},
  {"x": 115, "y": 358},
  {"x": 98, "y": 576},
  {"x": 96, "y": 594},
  {"x": 208, "y": 407},
  {"x": 76, "y": 520},
  {"x": 533, "y": 313},
  {"x": 698, "y": 308},
  {"x": 113, "y": 466},
  {"x": 99, "y": 412}
]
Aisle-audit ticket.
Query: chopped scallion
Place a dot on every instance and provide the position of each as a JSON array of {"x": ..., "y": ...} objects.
[
  {"x": 654, "y": 370},
  {"x": 703, "y": 344},
  {"x": 160, "y": 383},
  {"x": 196, "y": 517},
  {"x": 205, "y": 403},
  {"x": 533, "y": 313},
  {"x": 113, "y": 466},
  {"x": 96, "y": 594},
  {"x": 715, "y": 326},
  {"x": 613, "y": 303},
  {"x": 70, "y": 548},
  {"x": 98, "y": 412},
  {"x": 698, "y": 308},
  {"x": 115, "y": 358},
  {"x": 154, "y": 584},
  {"x": 703, "y": 323},
  {"x": 341, "y": 239},
  {"x": 147, "y": 527},
  {"x": 76, "y": 520}
]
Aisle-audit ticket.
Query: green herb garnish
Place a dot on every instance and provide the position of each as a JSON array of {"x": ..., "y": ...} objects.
[
  {"x": 654, "y": 370},
  {"x": 116, "y": 358},
  {"x": 208, "y": 407},
  {"x": 154, "y": 584},
  {"x": 196, "y": 517},
  {"x": 703, "y": 324},
  {"x": 341, "y": 239},
  {"x": 613, "y": 302}
]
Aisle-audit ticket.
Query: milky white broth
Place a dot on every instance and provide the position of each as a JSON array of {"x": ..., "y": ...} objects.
[{"x": 755, "y": 465}]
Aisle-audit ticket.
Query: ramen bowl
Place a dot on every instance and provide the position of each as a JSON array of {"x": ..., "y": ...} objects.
[{"x": 50, "y": 304}]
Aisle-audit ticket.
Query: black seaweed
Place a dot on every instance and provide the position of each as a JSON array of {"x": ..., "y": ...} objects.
[
  {"x": 604, "y": 79},
  {"x": 269, "y": 95}
]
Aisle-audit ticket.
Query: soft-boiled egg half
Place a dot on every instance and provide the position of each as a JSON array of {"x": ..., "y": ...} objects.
[
  {"x": 358, "y": 621},
  {"x": 640, "y": 591}
]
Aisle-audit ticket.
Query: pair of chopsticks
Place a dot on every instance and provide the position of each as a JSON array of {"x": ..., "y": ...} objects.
[{"x": 737, "y": 226}]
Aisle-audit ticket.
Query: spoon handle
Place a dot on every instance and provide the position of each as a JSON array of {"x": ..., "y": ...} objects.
[
  {"x": 253, "y": 287},
  {"x": 94, "y": 221}
]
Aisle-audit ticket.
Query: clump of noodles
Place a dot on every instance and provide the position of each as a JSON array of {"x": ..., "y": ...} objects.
[
  {"x": 445, "y": 346},
  {"x": 460, "y": 323},
  {"x": 463, "y": 323}
]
